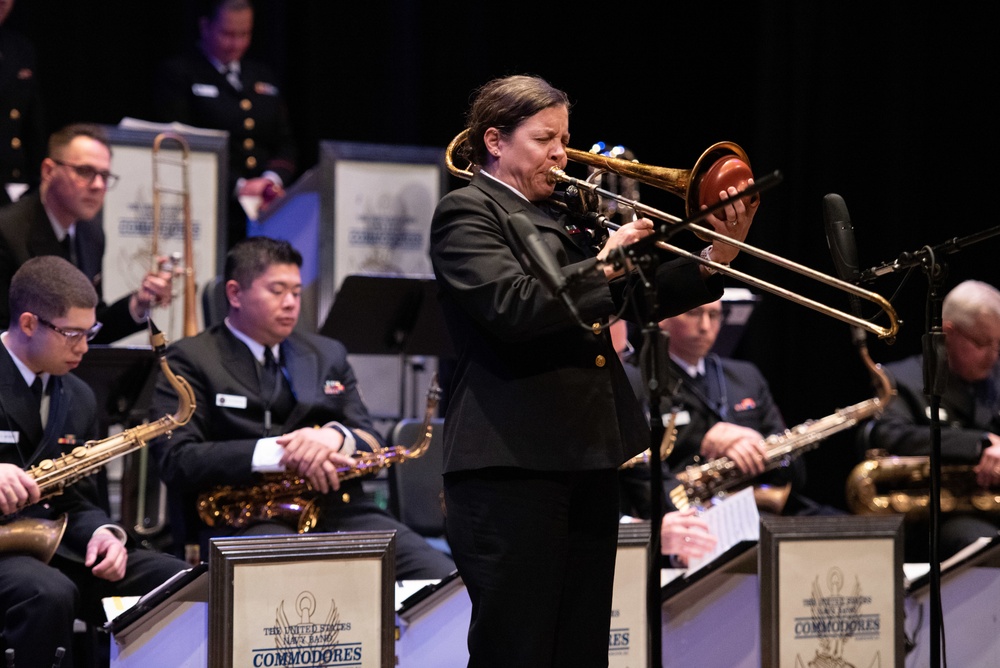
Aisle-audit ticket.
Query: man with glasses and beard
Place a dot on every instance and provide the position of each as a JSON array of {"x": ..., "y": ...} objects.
[
  {"x": 59, "y": 220},
  {"x": 969, "y": 411}
]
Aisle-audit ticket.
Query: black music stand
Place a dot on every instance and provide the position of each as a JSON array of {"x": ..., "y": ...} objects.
[
  {"x": 122, "y": 380},
  {"x": 389, "y": 315}
]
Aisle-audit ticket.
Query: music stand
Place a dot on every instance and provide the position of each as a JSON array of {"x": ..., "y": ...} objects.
[
  {"x": 389, "y": 315},
  {"x": 122, "y": 380}
]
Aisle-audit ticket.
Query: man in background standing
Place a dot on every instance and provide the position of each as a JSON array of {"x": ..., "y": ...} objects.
[
  {"x": 22, "y": 130},
  {"x": 215, "y": 86}
]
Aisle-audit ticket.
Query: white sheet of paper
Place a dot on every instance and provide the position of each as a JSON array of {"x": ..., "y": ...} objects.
[{"x": 732, "y": 520}]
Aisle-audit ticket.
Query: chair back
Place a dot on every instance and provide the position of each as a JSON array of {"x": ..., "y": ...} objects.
[
  {"x": 416, "y": 489},
  {"x": 214, "y": 305}
]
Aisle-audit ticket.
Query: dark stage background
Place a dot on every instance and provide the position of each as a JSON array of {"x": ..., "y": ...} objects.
[{"x": 884, "y": 103}]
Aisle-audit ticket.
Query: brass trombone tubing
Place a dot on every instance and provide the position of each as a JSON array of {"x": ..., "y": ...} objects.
[
  {"x": 190, "y": 314},
  {"x": 882, "y": 332}
]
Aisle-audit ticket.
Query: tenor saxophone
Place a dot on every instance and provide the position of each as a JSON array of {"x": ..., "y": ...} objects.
[
  {"x": 291, "y": 499},
  {"x": 40, "y": 537},
  {"x": 700, "y": 483}
]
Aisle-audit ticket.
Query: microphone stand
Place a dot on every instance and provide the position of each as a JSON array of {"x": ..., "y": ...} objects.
[
  {"x": 654, "y": 364},
  {"x": 935, "y": 368},
  {"x": 653, "y": 361}
]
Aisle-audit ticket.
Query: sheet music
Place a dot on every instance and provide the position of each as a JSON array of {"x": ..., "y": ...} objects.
[{"x": 732, "y": 520}]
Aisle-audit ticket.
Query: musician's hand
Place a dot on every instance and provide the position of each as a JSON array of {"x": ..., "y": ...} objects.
[
  {"x": 988, "y": 469},
  {"x": 624, "y": 236},
  {"x": 156, "y": 289},
  {"x": 685, "y": 535},
  {"x": 315, "y": 455},
  {"x": 107, "y": 555},
  {"x": 742, "y": 445},
  {"x": 733, "y": 221},
  {"x": 17, "y": 489}
]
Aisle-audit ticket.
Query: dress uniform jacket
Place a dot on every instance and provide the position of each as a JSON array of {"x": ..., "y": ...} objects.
[
  {"x": 967, "y": 412},
  {"x": 25, "y": 232},
  {"x": 190, "y": 90},
  {"x": 72, "y": 415},
  {"x": 40, "y": 601},
  {"x": 531, "y": 387},
  {"x": 22, "y": 131}
]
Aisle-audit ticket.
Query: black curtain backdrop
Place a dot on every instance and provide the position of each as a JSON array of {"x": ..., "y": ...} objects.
[{"x": 888, "y": 104}]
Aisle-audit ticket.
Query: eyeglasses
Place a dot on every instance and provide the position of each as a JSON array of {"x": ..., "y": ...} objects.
[
  {"x": 73, "y": 337},
  {"x": 88, "y": 174},
  {"x": 980, "y": 344}
]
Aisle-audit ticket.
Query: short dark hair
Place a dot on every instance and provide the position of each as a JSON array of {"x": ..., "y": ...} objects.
[
  {"x": 251, "y": 257},
  {"x": 61, "y": 138},
  {"x": 504, "y": 104},
  {"x": 49, "y": 287},
  {"x": 210, "y": 9}
]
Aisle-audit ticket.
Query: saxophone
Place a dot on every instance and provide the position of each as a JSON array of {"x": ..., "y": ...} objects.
[
  {"x": 886, "y": 485},
  {"x": 666, "y": 445},
  {"x": 40, "y": 537},
  {"x": 291, "y": 499},
  {"x": 700, "y": 483}
]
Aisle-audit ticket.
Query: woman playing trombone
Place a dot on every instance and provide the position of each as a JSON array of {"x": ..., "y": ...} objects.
[{"x": 540, "y": 413}]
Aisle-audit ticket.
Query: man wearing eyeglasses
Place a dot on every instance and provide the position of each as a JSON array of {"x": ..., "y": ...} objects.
[
  {"x": 59, "y": 220},
  {"x": 44, "y": 411},
  {"x": 969, "y": 411}
]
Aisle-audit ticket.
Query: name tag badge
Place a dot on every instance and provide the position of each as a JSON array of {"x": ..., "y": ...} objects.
[
  {"x": 10, "y": 436},
  {"x": 204, "y": 90},
  {"x": 231, "y": 401},
  {"x": 681, "y": 418}
]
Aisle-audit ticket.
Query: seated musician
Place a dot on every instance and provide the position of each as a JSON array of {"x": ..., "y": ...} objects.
[
  {"x": 52, "y": 319},
  {"x": 969, "y": 412},
  {"x": 273, "y": 400},
  {"x": 724, "y": 409}
]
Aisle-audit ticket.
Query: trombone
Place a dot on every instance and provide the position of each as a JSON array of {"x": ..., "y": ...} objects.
[
  {"x": 721, "y": 165},
  {"x": 189, "y": 313}
]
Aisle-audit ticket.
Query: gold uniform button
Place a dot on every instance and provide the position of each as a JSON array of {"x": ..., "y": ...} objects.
[
  {"x": 251, "y": 162},
  {"x": 15, "y": 143},
  {"x": 15, "y": 114},
  {"x": 600, "y": 361},
  {"x": 248, "y": 123},
  {"x": 246, "y": 104},
  {"x": 346, "y": 498},
  {"x": 248, "y": 144}
]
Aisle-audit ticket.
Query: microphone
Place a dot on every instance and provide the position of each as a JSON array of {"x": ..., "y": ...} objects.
[
  {"x": 844, "y": 250},
  {"x": 840, "y": 238},
  {"x": 541, "y": 262}
]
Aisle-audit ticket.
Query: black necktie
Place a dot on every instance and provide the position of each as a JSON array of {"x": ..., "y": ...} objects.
[
  {"x": 69, "y": 249},
  {"x": 269, "y": 377},
  {"x": 36, "y": 391}
]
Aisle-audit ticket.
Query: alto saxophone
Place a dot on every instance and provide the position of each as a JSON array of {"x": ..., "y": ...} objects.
[
  {"x": 291, "y": 499},
  {"x": 700, "y": 483},
  {"x": 40, "y": 537}
]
